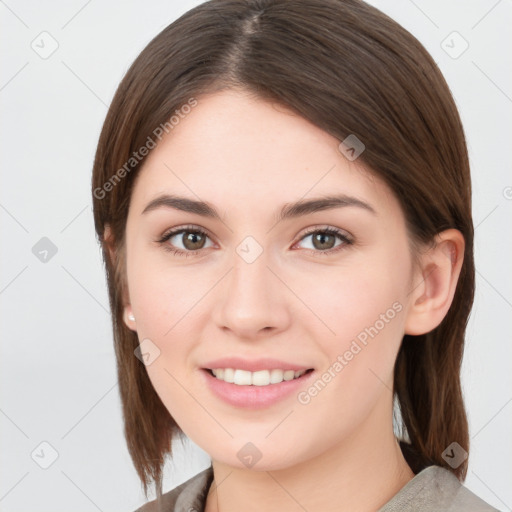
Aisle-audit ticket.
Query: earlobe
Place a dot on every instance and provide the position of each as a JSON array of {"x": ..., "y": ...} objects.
[
  {"x": 109, "y": 243},
  {"x": 129, "y": 318},
  {"x": 435, "y": 283}
]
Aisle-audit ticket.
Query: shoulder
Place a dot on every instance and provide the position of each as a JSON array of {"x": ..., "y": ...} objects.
[
  {"x": 186, "y": 496},
  {"x": 433, "y": 489}
]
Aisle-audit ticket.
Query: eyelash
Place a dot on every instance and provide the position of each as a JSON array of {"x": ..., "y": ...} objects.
[{"x": 194, "y": 229}]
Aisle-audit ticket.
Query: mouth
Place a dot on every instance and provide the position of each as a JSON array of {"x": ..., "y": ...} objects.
[
  {"x": 259, "y": 378},
  {"x": 258, "y": 389}
]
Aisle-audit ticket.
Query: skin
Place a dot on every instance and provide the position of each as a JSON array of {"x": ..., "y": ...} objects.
[{"x": 248, "y": 158}]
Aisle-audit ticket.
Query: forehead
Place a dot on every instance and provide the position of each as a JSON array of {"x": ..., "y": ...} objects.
[{"x": 238, "y": 151}]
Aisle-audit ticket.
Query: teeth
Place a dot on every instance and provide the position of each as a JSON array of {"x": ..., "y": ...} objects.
[{"x": 259, "y": 378}]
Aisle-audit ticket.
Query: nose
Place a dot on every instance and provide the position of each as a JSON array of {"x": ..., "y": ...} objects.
[{"x": 251, "y": 300}]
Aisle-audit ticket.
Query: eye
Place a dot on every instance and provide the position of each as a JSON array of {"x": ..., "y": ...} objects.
[
  {"x": 191, "y": 238},
  {"x": 323, "y": 241}
]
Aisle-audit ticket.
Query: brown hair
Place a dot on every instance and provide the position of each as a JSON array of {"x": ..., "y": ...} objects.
[{"x": 349, "y": 69}]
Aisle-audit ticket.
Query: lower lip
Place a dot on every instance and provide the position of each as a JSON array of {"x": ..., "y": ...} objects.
[{"x": 254, "y": 397}]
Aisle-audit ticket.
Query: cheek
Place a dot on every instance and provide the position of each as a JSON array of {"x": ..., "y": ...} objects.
[
  {"x": 161, "y": 295},
  {"x": 348, "y": 299},
  {"x": 166, "y": 302},
  {"x": 171, "y": 303},
  {"x": 361, "y": 308}
]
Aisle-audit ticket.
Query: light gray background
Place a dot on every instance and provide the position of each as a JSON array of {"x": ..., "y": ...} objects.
[{"x": 58, "y": 381}]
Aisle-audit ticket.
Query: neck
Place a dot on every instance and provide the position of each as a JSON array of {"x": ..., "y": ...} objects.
[{"x": 359, "y": 474}]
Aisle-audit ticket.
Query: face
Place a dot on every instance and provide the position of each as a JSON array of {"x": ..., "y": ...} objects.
[{"x": 322, "y": 289}]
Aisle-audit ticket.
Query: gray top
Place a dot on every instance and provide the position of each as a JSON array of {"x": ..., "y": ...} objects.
[{"x": 434, "y": 489}]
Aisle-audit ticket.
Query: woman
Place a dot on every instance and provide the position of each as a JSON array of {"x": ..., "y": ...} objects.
[{"x": 282, "y": 194}]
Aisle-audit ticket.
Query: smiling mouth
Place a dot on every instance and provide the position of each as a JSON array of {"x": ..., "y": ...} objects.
[{"x": 258, "y": 378}]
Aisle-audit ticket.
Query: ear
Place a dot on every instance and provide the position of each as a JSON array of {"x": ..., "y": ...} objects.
[
  {"x": 435, "y": 282},
  {"x": 128, "y": 316},
  {"x": 108, "y": 238}
]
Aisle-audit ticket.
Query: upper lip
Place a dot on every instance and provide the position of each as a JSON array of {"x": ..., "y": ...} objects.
[{"x": 253, "y": 365}]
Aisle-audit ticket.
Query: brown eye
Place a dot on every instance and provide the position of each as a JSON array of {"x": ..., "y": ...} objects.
[
  {"x": 193, "y": 240},
  {"x": 323, "y": 241},
  {"x": 326, "y": 240},
  {"x": 184, "y": 241}
]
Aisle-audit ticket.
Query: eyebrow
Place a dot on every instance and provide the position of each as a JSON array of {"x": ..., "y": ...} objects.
[{"x": 288, "y": 211}]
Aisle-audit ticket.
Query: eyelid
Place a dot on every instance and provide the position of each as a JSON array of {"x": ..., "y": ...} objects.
[
  {"x": 169, "y": 233},
  {"x": 326, "y": 228},
  {"x": 346, "y": 239},
  {"x": 188, "y": 227}
]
